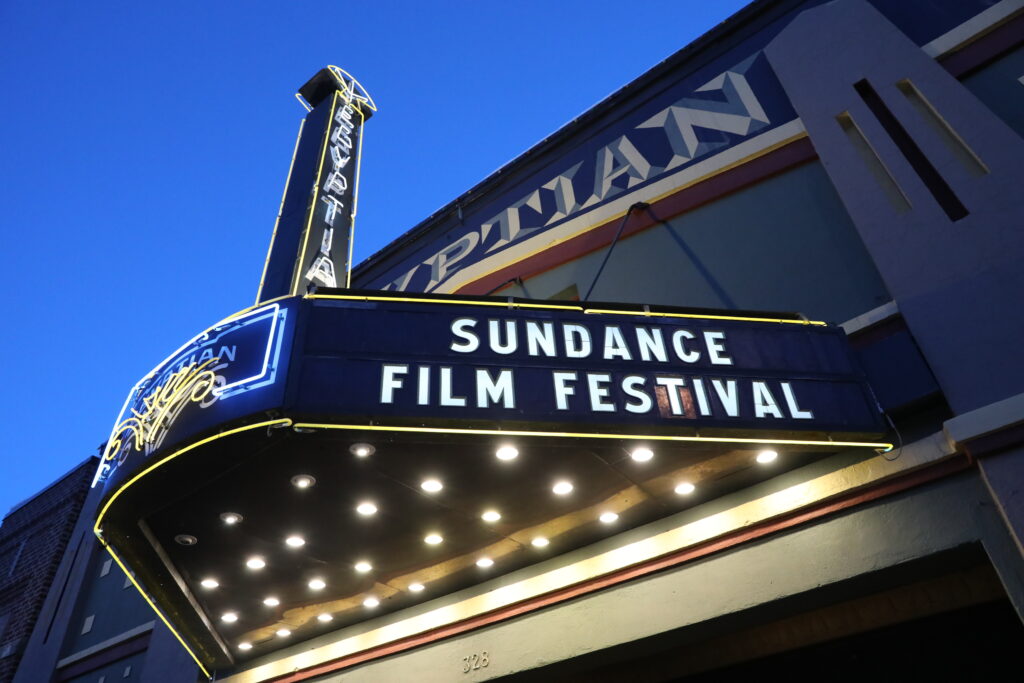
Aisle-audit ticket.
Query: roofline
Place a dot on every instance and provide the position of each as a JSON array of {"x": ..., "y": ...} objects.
[
  {"x": 726, "y": 27},
  {"x": 92, "y": 459}
]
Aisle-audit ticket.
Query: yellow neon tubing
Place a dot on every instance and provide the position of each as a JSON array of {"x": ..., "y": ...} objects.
[
  {"x": 284, "y": 422},
  {"x": 409, "y": 299},
  {"x": 595, "y": 435},
  {"x": 706, "y": 316},
  {"x": 280, "y": 209},
  {"x": 561, "y": 307},
  {"x": 153, "y": 606},
  {"x": 355, "y": 196},
  {"x": 297, "y": 275}
]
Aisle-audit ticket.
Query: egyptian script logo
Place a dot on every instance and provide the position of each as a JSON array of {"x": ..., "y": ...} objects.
[{"x": 146, "y": 428}]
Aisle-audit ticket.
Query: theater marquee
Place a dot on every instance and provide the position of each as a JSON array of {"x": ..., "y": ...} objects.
[
  {"x": 311, "y": 462},
  {"x": 588, "y": 368}
]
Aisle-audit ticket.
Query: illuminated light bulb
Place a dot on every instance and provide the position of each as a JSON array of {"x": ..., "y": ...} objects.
[
  {"x": 255, "y": 562},
  {"x": 608, "y": 517},
  {"x": 229, "y": 617},
  {"x": 317, "y": 584},
  {"x": 283, "y": 633},
  {"x": 363, "y": 566},
  {"x": 431, "y": 486},
  {"x": 433, "y": 539},
  {"x": 485, "y": 562},
  {"x": 361, "y": 450},
  {"x": 271, "y": 602},
  {"x": 245, "y": 646},
  {"x": 540, "y": 542},
  {"x": 685, "y": 488},
  {"x": 303, "y": 481},
  {"x": 562, "y": 488},
  {"x": 209, "y": 583},
  {"x": 507, "y": 453},
  {"x": 231, "y": 518},
  {"x": 765, "y": 457},
  {"x": 371, "y": 602},
  {"x": 324, "y": 618},
  {"x": 295, "y": 541},
  {"x": 642, "y": 454},
  {"x": 491, "y": 516},
  {"x": 366, "y": 509},
  {"x": 416, "y": 587}
]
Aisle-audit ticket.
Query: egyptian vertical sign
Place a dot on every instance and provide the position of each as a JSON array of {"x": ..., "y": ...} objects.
[{"x": 312, "y": 242}]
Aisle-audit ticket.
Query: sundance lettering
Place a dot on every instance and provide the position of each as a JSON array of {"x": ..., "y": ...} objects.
[{"x": 660, "y": 391}]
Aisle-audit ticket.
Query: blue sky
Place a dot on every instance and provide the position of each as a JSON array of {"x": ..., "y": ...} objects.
[{"x": 144, "y": 147}]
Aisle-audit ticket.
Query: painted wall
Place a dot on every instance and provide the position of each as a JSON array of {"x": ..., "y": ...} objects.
[{"x": 784, "y": 244}]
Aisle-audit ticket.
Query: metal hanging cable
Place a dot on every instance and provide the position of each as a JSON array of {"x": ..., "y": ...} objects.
[{"x": 618, "y": 233}]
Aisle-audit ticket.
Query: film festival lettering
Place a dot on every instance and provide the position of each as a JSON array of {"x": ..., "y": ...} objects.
[
  {"x": 638, "y": 392},
  {"x": 718, "y": 114},
  {"x": 334, "y": 194}
]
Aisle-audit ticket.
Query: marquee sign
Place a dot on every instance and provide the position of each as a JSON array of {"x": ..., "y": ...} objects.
[
  {"x": 597, "y": 369},
  {"x": 268, "y": 421}
]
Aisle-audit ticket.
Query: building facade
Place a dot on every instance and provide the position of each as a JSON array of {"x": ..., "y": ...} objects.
[
  {"x": 88, "y": 624},
  {"x": 853, "y": 161},
  {"x": 33, "y": 538}
]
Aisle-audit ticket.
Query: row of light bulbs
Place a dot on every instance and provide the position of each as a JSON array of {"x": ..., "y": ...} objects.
[{"x": 368, "y": 508}]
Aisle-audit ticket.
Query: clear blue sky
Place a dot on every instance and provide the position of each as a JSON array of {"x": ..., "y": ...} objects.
[{"x": 144, "y": 147}]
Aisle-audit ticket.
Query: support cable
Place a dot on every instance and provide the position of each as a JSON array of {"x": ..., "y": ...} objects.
[{"x": 618, "y": 233}]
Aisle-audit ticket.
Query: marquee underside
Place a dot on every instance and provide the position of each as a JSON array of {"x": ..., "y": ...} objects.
[{"x": 257, "y": 475}]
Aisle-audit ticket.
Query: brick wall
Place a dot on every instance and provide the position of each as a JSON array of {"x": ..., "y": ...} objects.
[{"x": 33, "y": 538}]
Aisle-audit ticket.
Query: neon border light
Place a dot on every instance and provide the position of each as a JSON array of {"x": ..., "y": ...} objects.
[
  {"x": 267, "y": 371},
  {"x": 504, "y": 303}
]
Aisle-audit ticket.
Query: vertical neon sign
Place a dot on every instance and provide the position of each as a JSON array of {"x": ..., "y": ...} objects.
[{"x": 312, "y": 242}]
